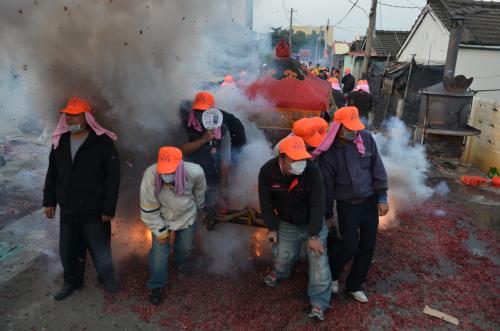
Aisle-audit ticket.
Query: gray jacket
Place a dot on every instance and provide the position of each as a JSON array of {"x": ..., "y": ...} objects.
[{"x": 166, "y": 211}]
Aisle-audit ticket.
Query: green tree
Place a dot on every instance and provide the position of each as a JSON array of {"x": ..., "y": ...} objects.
[{"x": 299, "y": 38}]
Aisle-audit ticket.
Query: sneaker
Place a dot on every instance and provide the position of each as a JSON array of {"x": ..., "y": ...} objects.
[
  {"x": 335, "y": 286},
  {"x": 271, "y": 279},
  {"x": 359, "y": 296},
  {"x": 155, "y": 296},
  {"x": 317, "y": 313}
]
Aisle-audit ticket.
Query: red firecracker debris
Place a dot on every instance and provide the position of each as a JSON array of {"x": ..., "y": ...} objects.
[{"x": 424, "y": 261}]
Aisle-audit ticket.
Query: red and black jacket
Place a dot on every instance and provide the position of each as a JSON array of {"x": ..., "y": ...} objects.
[{"x": 297, "y": 200}]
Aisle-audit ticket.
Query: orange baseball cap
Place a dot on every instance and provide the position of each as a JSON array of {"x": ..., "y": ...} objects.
[
  {"x": 168, "y": 160},
  {"x": 203, "y": 101},
  {"x": 311, "y": 129},
  {"x": 228, "y": 79},
  {"x": 294, "y": 148},
  {"x": 76, "y": 106},
  {"x": 349, "y": 117}
]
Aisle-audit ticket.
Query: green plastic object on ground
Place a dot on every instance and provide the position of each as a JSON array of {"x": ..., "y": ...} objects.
[{"x": 493, "y": 172}]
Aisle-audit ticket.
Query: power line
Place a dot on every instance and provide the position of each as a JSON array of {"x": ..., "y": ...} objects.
[
  {"x": 413, "y": 3},
  {"x": 395, "y": 6},
  {"x": 350, "y": 30},
  {"x": 346, "y": 14},
  {"x": 364, "y": 10}
]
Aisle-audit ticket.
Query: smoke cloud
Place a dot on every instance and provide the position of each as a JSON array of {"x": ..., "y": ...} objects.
[
  {"x": 135, "y": 61},
  {"x": 406, "y": 165},
  {"x": 407, "y": 169}
]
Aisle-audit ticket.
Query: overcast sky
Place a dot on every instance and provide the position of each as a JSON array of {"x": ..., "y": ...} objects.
[{"x": 269, "y": 13}]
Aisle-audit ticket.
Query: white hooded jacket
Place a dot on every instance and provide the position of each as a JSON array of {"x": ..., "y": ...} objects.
[{"x": 166, "y": 211}]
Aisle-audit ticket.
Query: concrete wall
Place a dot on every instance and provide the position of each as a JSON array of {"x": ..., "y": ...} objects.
[
  {"x": 429, "y": 42},
  {"x": 340, "y": 48},
  {"x": 348, "y": 63},
  {"x": 483, "y": 151},
  {"x": 237, "y": 11},
  {"x": 355, "y": 63},
  {"x": 484, "y": 66}
]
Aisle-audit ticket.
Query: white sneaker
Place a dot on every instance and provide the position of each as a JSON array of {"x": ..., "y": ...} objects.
[
  {"x": 335, "y": 286},
  {"x": 359, "y": 296}
]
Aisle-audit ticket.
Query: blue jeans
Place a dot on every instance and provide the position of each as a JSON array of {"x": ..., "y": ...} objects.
[
  {"x": 290, "y": 239},
  {"x": 158, "y": 255}
]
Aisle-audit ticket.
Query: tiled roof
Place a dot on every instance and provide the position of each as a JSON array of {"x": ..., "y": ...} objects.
[
  {"x": 482, "y": 19},
  {"x": 388, "y": 42}
]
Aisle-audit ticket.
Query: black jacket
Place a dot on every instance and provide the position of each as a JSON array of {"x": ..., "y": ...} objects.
[
  {"x": 236, "y": 130},
  {"x": 349, "y": 82},
  {"x": 339, "y": 98},
  {"x": 87, "y": 185},
  {"x": 361, "y": 100},
  {"x": 302, "y": 204},
  {"x": 208, "y": 157}
]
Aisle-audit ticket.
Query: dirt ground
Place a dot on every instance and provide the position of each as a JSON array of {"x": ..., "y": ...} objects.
[{"x": 444, "y": 254}]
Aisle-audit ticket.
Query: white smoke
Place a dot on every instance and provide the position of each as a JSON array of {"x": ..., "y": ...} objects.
[
  {"x": 406, "y": 165},
  {"x": 242, "y": 189},
  {"x": 135, "y": 61},
  {"x": 442, "y": 189}
]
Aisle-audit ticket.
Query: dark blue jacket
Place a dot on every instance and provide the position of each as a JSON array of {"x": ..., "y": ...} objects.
[{"x": 350, "y": 176}]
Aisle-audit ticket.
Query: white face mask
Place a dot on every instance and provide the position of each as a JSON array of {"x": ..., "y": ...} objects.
[
  {"x": 75, "y": 128},
  {"x": 298, "y": 167},
  {"x": 168, "y": 178}
]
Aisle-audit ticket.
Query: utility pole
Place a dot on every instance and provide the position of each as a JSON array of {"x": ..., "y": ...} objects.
[
  {"x": 326, "y": 37},
  {"x": 369, "y": 39},
  {"x": 318, "y": 43},
  {"x": 290, "y": 31}
]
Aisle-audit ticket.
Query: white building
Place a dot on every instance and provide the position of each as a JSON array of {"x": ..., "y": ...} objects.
[{"x": 479, "y": 52}]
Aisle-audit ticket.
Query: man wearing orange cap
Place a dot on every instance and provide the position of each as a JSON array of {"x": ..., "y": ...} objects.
[
  {"x": 311, "y": 129},
  {"x": 338, "y": 96},
  {"x": 356, "y": 180},
  {"x": 83, "y": 179},
  {"x": 291, "y": 195},
  {"x": 348, "y": 81},
  {"x": 172, "y": 192},
  {"x": 209, "y": 143},
  {"x": 229, "y": 82},
  {"x": 362, "y": 99}
]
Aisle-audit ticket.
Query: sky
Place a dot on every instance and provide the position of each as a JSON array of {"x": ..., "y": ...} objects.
[{"x": 274, "y": 13}]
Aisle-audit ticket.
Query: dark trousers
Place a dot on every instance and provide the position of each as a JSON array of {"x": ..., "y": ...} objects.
[
  {"x": 77, "y": 234},
  {"x": 358, "y": 225}
]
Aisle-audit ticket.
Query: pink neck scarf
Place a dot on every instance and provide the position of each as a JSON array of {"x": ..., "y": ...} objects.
[
  {"x": 195, "y": 124},
  {"x": 336, "y": 86},
  {"x": 180, "y": 181},
  {"x": 62, "y": 128},
  {"x": 330, "y": 137},
  {"x": 362, "y": 87}
]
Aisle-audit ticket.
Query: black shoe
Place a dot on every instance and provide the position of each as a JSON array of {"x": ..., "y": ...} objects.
[
  {"x": 65, "y": 292},
  {"x": 155, "y": 296},
  {"x": 110, "y": 285}
]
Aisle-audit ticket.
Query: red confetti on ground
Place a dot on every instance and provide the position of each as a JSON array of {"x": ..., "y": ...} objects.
[{"x": 427, "y": 260}]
